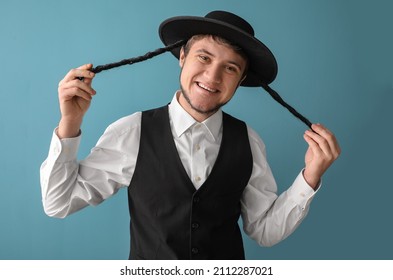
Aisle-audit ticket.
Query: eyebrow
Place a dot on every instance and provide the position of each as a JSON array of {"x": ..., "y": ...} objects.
[{"x": 209, "y": 53}]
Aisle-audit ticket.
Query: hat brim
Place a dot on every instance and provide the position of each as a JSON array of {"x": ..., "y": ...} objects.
[{"x": 262, "y": 63}]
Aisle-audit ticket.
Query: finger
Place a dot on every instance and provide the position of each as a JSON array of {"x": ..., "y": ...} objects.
[
  {"x": 314, "y": 146},
  {"x": 329, "y": 136},
  {"x": 85, "y": 66},
  {"x": 320, "y": 140},
  {"x": 80, "y": 72},
  {"x": 87, "y": 81},
  {"x": 77, "y": 74},
  {"x": 70, "y": 93},
  {"x": 88, "y": 66},
  {"x": 80, "y": 85},
  {"x": 322, "y": 130}
]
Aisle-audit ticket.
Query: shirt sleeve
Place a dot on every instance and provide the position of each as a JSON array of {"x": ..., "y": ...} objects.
[
  {"x": 68, "y": 185},
  {"x": 267, "y": 217}
]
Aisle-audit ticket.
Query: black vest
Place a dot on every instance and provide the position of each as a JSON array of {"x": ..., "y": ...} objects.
[{"x": 170, "y": 219}]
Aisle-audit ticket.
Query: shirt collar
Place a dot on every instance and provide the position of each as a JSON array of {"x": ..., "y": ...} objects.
[{"x": 181, "y": 121}]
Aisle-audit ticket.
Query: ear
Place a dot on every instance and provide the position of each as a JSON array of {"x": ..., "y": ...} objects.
[{"x": 182, "y": 57}]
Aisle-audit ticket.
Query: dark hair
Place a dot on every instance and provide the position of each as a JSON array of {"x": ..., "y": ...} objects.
[{"x": 185, "y": 43}]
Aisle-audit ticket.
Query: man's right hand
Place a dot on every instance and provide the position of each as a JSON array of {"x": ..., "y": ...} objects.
[{"x": 75, "y": 96}]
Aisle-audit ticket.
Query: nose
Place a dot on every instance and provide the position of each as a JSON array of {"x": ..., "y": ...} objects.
[{"x": 214, "y": 74}]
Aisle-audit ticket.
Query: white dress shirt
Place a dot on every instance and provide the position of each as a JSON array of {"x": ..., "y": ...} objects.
[{"x": 68, "y": 185}]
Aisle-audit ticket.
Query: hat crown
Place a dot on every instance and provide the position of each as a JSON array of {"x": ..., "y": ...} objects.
[{"x": 231, "y": 19}]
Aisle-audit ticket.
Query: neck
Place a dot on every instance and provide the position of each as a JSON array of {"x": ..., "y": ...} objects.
[{"x": 197, "y": 115}]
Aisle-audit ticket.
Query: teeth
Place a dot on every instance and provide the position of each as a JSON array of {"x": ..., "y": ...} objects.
[{"x": 207, "y": 88}]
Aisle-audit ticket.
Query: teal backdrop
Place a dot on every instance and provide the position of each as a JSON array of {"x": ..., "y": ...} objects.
[{"x": 335, "y": 66}]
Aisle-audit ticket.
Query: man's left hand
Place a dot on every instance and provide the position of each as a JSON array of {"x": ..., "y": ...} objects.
[{"x": 323, "y": 150}]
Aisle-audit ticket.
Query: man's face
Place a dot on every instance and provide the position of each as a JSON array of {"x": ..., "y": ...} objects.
[{"x": 210, "y": 74}]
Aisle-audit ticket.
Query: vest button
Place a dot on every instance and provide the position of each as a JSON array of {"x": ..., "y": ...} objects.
[
  {"x": 196, "y": 199},
  {"x": 194, "y": 250},
  {"x": 194, "y": 225}
]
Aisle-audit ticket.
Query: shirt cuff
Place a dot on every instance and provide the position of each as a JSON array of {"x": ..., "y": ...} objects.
[
  {"x": 301, "y": 192},
  {"x": 64, "y": 150}
]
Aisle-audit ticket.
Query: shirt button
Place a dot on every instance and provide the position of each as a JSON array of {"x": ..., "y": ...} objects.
[
  {"x": 194, "y": 225},
  {"x": 197, "y": 178},
  {"x": 194, "y": 250},
  {"x": 197, "y": 147},
  {"x": 197, "y": 126}
]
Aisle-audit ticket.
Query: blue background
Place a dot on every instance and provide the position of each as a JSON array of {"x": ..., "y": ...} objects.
[{"x": 335, "y": 66}]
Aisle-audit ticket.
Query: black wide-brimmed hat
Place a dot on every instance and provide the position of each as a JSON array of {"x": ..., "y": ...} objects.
[{"x": 262, "y": 64}]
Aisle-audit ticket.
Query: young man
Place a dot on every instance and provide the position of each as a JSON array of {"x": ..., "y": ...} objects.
[{"x": 191, "y": 169}]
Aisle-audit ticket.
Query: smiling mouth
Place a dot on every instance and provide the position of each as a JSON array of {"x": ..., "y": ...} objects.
[{"x": 202, "y": 86}]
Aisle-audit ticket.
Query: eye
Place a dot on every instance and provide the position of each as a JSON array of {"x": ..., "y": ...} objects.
[
  {"x": 203, "y": 58},
  {"x": 231, "y": 69}
]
